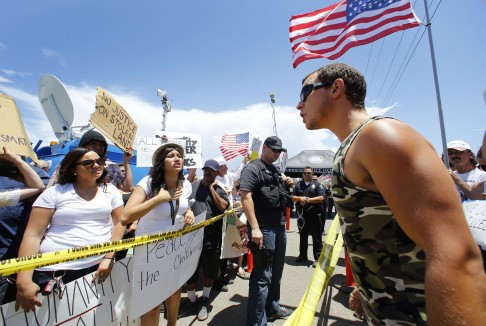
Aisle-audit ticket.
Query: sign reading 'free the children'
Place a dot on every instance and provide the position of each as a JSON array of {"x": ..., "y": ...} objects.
[{"x": 113, "y": 121}]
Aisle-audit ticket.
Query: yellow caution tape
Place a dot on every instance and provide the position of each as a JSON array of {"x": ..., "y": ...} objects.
[
  {"x": 15, "y": 265},
  {"x": 304, "y": 314}
]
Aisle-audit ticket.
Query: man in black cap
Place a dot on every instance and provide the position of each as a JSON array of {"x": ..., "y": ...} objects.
[
  {"x": 210, "y": 197},
  {"x": 308, "y": 196},
  {"x": 262, "y": 189}
]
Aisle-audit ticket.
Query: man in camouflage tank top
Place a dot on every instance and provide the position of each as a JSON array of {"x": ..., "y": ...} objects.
[{"x": 412, "y": 254}]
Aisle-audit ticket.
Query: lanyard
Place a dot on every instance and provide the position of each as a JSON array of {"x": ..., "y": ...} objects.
[{"x": 173, "y": 212}]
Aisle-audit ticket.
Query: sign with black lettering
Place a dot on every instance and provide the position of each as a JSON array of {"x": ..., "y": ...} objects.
[
  {"x": 113, "y": 121},
  {"x": 162, "y": 268},
  {"x": 12, "y": 130},
  {"x": 191, "y": 143},
  {"x": 475, "y": 211},
  {"x": 82, "y": 302}
]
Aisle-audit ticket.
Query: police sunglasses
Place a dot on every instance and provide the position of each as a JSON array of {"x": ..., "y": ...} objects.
[
  {"x": 90, "y": 163},
  {"x": 307, "y": 89}
]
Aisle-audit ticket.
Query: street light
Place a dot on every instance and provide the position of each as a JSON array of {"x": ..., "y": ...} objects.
[
  {"x": 165, "y": 104},
  {"x": 272, "y": 102}
]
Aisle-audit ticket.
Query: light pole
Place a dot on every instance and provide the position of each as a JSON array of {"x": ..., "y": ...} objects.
[
  {"x": 272, "y": 102},
  {"x": 165, "y": 104}
]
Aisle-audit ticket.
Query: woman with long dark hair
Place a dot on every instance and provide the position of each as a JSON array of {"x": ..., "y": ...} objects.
[
  {"x": 160, "y": 200},
  {"x": 77, "y": 211}
]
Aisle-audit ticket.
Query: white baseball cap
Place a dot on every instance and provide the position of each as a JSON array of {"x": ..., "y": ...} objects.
[
  {"x": 459, "y": 145},
  {"x": 221, "y": 161}
]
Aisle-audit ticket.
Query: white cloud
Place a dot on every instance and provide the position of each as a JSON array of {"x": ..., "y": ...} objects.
[
  {"x": 5, "y": 80},
  {"x": 2, "y": 46},
  {"x": 374, "y": 110},
  {"x": 11, "y": 72},
  {"x": 256, "y": 118},
  {"x": 53, "y": 54}
]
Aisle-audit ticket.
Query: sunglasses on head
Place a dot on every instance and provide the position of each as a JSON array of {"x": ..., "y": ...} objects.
[
  {"x": 90, "y": 163},
  {"x": 307, "y": 89}
]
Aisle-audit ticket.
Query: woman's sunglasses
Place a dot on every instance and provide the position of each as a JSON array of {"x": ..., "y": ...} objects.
[{"x": 90, "y": 163}]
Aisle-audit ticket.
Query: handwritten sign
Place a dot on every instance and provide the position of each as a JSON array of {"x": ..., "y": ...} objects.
[
  {"x": 235, "y": 237},
  {"x": 162, "y": 268},
  {"x": 283, "y": 161},
  {"x": 191, "y": 143},
  {"x": 475, "y": 211},
  {"x": 82, "y": 302},
  {"x": 12, "y": 130},
  {"x": 113, "y": 121},
  {"x": 255, "y": 148}
]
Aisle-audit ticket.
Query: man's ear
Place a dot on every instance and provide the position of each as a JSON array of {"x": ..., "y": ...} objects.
[{"x": 337, "y": 88}]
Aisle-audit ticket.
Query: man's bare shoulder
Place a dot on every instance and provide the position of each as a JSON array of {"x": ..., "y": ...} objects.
[
  {"x": 390, "y": 136},
  {"x": 384, "y": 145}
]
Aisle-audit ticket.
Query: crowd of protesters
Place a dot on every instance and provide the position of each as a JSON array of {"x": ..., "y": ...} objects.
[{"x": 86, "y": 187}]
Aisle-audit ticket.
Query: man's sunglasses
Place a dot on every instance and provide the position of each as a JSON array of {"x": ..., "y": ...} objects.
[
  {"x": 307, "y": 89},
  {"x": 90, "y": 163},
  {"x": 276, "y": 150},
  {"x": 307, "y": 173}
]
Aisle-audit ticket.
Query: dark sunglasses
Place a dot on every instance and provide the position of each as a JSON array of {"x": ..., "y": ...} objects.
[
  {"x": 307, "y": 173},
  {"x": 90, "y": 163},
  {"x": 276, "y": 150},
  {"x": 307, "y": 89}
]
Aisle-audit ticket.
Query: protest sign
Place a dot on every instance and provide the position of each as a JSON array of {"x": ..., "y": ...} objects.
[
  {"x": 283, "y": 161},
  {"x": 191, "y": 143},
  {"x": 113, "y": 121},
  {"x": 162, "y": 268},
  {"x": 82, "y": 302},
  {"x": 12, "y": 130},
  {"x": 255, "y": 149},
  {"x": 235, "y": 236},
  {"x": 475, "y": 211}
]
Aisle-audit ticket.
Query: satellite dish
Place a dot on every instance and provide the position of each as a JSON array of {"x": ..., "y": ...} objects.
[{"x": 57, "y": 106}]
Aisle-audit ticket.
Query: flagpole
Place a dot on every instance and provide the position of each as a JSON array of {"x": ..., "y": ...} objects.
[{"x": 437, "y": 90}]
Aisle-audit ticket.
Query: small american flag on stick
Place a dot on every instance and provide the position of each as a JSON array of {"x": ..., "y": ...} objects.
[{"x": 233, "y": 145}]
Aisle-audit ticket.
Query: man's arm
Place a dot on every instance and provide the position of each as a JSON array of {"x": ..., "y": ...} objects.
[
  {"x": 127, "y": 184},
  {"x": 392, "y": 158},
  {"x": 462, "y": 185},
  {"x": 31, "y": 178},
  {"x": 220, "y": 202},
  {"x": 249, "y": 209}
]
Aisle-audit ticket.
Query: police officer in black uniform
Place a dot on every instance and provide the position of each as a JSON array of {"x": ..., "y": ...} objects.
[{"x": 309, "y": 196}]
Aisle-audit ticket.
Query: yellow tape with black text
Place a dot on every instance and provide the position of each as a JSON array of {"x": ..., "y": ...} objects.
[{"x": 15, "y": 265}]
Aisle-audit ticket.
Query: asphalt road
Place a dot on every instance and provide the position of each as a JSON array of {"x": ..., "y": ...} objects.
[{"x": 229, "y": 308}]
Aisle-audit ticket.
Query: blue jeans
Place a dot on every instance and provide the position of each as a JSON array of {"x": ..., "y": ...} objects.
[{"x": 264, "y": 293}]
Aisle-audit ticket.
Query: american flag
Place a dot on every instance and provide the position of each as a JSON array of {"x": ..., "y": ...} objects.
[
  {"x": 233, "y": 145},
  {"x": 330, "y": 32}
]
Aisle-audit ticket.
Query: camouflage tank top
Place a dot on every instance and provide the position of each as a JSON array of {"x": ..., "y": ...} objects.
[{"x": 388, "y": 267}]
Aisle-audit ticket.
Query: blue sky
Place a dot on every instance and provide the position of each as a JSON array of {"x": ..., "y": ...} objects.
[{"x": 218, "y": 60}]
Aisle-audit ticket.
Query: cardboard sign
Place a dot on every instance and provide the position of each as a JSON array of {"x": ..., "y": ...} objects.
[
  {"x": 113, "y": 121},
  {"x": 235, "y": 236},
  {"x": 255, "y": 148},
  {"x": 283, "y": 161},
  {"x": 12, "y": 130},
  {"x": 160, "y": 269},
  {"x": 82, "y": 302},
  {"x": 475, "y": 211},
  {"x": 191, "y": 143}
]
